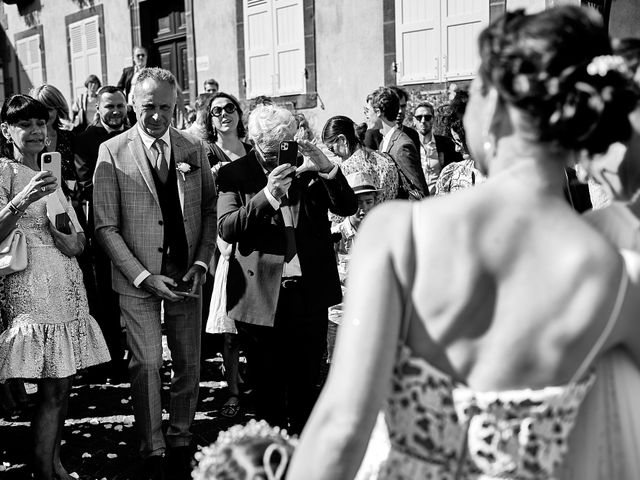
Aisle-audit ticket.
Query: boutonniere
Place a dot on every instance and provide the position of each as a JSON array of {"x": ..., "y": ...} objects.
[{"x": 185, "y": 168}]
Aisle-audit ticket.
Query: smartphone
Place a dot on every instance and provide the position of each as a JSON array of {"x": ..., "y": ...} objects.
[
  {"x": 63, "y": 223},
  {"x": 184, "y": 288},
  {"x": 288, "y": 153},
  {"x": 52, "y": 162}
]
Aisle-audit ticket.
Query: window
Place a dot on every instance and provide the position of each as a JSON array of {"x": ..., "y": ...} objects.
[
  {"x": 29, "y": 56},
  {"x": 274, "y": 47},
  {"x": 436, "y": 40},
  {"x": 84, "y": 48}
]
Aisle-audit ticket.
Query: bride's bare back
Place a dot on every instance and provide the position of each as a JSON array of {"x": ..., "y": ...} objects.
[{"x": 506, "y": 297}]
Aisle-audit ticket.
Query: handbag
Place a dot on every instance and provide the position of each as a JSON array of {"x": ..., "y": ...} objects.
[
  {"x": 13, "y": 253},
  {"x": 406, "y": 189},
  {"x": 13, "y": 249}
]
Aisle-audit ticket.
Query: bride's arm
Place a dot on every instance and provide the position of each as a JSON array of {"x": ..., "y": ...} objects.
[
  {"x": 628, "y": 324},
  {"x": 336, "y": 436}
]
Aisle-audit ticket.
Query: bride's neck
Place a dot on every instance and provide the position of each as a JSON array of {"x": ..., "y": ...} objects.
[{"x": 539, "y": 162}]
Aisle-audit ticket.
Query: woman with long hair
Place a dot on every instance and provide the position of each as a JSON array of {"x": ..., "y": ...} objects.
[
  {"x": 59, "y": 137},
  {"x": 473, "y": 320},
  {"x": 344, "y": 139}
]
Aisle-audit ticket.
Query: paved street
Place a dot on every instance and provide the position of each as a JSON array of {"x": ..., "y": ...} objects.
[{"x": 99, "y": 438}]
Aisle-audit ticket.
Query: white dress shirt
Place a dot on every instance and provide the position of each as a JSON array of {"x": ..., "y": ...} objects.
[
  {"x": 430, "y": 161},
  {"x": 387, "y": 138}
]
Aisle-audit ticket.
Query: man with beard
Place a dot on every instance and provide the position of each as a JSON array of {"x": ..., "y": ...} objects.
[
  {"x": 436, "y": 151},
  {"x": 103, "y": 301}
]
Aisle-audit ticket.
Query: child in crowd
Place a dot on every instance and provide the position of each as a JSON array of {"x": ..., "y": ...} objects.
[
  {"x": 255, "y": 451},
  {"x": 344, "y": 235}
]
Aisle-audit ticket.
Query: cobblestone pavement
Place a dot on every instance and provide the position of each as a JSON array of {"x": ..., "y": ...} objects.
[{"x": 99, "y": 441}]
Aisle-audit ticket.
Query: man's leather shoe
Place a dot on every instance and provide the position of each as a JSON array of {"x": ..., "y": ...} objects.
[{"x": 154, "y": 467}]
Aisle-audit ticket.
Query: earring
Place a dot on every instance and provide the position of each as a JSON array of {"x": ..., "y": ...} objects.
[
  {"x": 47, "y": 141},
  {"x": 489, "y": 146},
  {"x": 583, "y": 174}
]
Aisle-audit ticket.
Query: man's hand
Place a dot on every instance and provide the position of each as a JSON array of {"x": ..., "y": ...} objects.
[
  {"x": 72, "y": 244},
  {"x": 195, "y": 275},
  {"x": 279, "y": 180},
  {"x": 159, "y": 286},
  {"x": 314, "y": 159}
]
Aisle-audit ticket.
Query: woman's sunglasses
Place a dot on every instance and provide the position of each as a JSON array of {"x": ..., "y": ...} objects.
[{"x": 229, "y": 108}]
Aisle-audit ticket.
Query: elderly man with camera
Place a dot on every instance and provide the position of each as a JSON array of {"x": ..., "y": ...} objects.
[{"x": 283, "y": 276}]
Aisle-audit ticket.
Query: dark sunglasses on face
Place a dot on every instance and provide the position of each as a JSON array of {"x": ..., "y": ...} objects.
[
  {"x": 217, "y": 111},
  {"x": 420, "y": 118}
]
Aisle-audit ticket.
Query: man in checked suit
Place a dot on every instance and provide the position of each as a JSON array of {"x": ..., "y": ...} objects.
[
  {"x": 154, "y": 206},
  {"x": 397, "y": 143},
  {"x": 283, "y": 276}
]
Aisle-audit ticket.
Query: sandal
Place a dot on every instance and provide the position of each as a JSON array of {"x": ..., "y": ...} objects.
[{"x": 231, "y": 408}]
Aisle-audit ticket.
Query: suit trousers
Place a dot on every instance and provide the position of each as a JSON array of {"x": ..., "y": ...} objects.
[
  {"x": 285, "y": 361},
  {"x": 144, "y": 338}
]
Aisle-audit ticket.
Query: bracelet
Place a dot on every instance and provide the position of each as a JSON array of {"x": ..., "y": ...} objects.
[{"x": 14, "y": 210}]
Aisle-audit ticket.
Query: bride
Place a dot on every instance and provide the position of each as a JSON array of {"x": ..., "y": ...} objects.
[
  {"x": 473, "y": 320},
  {"x": 608, "y": 426}
]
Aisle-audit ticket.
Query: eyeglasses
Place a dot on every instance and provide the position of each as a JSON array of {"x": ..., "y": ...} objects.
[
  {"x": 141, "y": 55},
  {"x": 229, "y": 108},
  {"x": 421, "y": 118}
]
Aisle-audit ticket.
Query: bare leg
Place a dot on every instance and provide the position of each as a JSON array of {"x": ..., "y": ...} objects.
[
  {"x": 50, "y": 409},
  {"x": 60, "y": 473}
]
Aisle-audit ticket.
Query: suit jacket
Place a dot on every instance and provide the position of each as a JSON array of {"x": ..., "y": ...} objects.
[
  {"x": 247, "y": 219},
  {"x": 404, "y": 152},
  {"x": 128, "y": 218},
  {"x": 86, "y": 156},
  {"x": 124, "y": 83},
  {"x": 373, "y": 139}
]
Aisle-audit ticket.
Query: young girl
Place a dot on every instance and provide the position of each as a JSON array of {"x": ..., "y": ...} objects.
[{"x": 255, "y": 451}]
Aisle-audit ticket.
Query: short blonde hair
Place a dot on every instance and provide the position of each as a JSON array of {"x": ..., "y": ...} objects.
[{"x": 269, "y": 125}]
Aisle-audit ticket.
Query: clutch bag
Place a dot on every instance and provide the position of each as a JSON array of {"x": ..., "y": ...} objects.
[{"x": 13, "y": 253}]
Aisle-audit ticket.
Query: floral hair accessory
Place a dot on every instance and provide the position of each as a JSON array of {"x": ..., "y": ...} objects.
[
  {"x": 604, "y": 64},
  {"x": 212, "y": 459}
]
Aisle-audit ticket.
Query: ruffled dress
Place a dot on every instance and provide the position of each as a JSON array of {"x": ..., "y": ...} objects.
[{"x": 49, "y": 333}]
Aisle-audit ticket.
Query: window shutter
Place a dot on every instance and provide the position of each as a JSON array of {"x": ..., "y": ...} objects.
[
  {"x": 288, "y": 25},
  {"x": 418, "y": 40},
  {"x": 35, "y": 61},
  {"x": 84, "y": 45},
  {"x": 78, "y": 66},
  {"x": 462, "y": 21},
  {"x": 92, "y": 48},
  {"x": 258, "y": 44},
  {"x": 28, "y": 52}
]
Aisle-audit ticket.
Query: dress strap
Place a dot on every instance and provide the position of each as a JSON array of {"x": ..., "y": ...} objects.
[
  {"x": 613, "y": 317},
  {"x": 408, "y": 302}
]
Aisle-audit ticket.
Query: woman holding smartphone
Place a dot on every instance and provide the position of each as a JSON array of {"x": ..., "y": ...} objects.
[{"x": 50, "y": 334}]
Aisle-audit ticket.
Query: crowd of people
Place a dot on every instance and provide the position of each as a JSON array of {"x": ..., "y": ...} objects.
[{"x": 482, "y": 330}]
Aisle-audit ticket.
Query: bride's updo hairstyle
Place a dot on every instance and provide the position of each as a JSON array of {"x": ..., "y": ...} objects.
[{"x": 556, "y": 67}]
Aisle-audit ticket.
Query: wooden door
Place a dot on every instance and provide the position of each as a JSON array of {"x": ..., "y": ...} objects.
[{"x": 164, "y": 31}]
